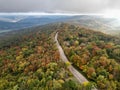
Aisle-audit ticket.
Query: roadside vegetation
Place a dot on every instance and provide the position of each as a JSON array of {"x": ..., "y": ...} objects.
[
  {"x": 29, "y": 60},
  {"x": 95, "y": 54}
]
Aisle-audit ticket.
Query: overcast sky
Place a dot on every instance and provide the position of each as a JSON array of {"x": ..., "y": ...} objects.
[{"x": 59, "y": 6}]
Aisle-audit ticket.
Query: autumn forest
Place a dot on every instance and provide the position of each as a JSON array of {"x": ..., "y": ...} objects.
[{"x": 30, "y": 59}]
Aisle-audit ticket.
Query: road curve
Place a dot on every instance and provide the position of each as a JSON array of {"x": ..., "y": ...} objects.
[{"x": 75, "y": 73}]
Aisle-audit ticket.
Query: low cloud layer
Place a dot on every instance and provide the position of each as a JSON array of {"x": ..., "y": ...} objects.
[{"x": 59, "y": 6}]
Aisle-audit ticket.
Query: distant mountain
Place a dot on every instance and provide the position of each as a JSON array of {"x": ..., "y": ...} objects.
[
  {"x": 11, "y": 18},
  {"x": 23, "y": 21},
  {"x": 99, "y": 23}
]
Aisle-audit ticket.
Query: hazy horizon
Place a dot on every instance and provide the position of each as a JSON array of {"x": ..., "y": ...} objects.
[{"x": 97, "y": 7}]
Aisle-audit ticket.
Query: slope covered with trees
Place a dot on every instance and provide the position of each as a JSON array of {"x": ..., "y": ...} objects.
[
  {"x": 29, "y": 60},
  {"x": 95, "y": 54}
]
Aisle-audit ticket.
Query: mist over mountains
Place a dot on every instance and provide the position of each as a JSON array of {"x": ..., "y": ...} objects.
[
  {"x": 100, "y": 23},
  {"x": 19, "y": 22}
]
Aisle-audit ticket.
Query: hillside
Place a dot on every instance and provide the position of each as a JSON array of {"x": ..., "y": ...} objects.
[
  {"x": 95, "y": 54},
  {"x": 97, "y": 22},
  {"x": 29, "y": 60}
]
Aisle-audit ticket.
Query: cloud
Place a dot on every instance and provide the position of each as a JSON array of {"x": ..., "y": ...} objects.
[
  {"x": 68, "y": 6},
  {"x": 115, "y": 4}
]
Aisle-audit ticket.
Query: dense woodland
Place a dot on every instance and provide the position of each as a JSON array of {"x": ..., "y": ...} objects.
[
  {"x": 29, "y": 60},
  {"x": 94, "y": 54}
]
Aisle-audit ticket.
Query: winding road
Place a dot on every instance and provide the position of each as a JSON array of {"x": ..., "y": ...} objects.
[
  {"x": 79, "y": 76},
  {"x": 75, "y": 73}
]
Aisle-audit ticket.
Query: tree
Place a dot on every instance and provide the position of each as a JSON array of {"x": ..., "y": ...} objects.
[{"x": 91, "y": 73}]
